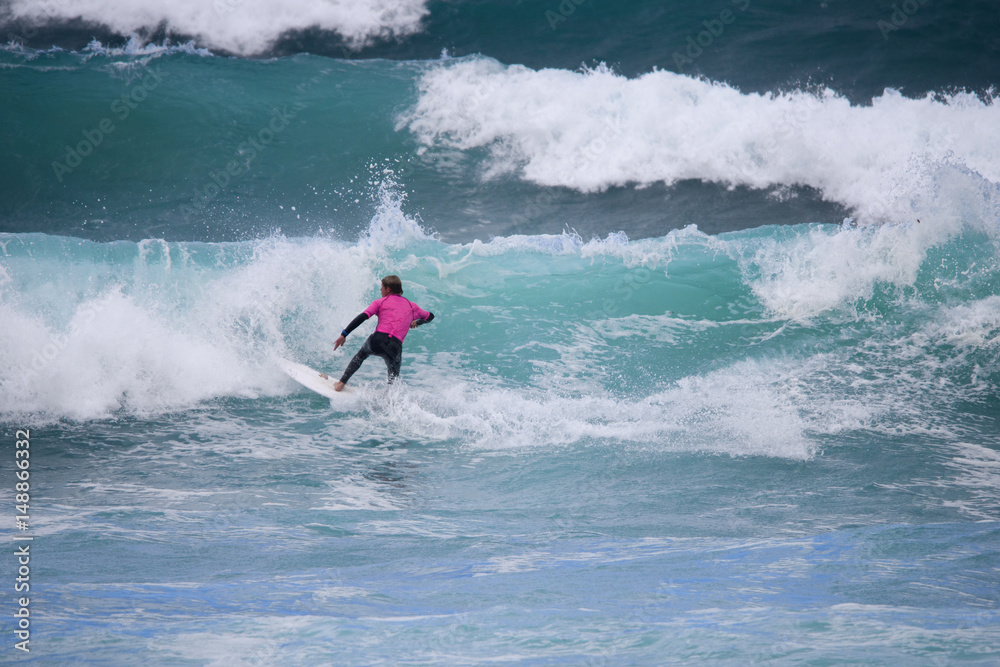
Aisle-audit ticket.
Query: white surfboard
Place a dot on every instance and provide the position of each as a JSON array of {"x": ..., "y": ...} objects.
[{"x": 311, "y": 379}]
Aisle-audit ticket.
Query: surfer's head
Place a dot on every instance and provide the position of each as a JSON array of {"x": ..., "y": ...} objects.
[{"x": 393, "y": 284}]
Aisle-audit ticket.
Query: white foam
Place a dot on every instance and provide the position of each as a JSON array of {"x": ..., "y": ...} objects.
[
  {"x": 744, "y": 410},
  {"x": 782, "y": 407},
  {"x": 567, "y": 243},
  {"x": 977, "y": 468},
  {"x": 594, "y": 129},
  {"x": 244, "y": 641},
  {"x": 358, "y": 493},
  {"x": 390, "y": 227},
  {"x": 136, "y": 46},
  {"x": 803, "y": 272},
  {"x": 238, "y": 26},
  {"x": 165, "y": 331},
  {"x": 827, "y": 267},
  {"x": 649, "y": 253},
  {"x": 972, "y": 325}
]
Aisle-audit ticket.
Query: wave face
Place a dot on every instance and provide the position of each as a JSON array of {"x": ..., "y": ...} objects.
[
  {"x": 829, "y": 330},
  {"x": 480, "y": 148}
]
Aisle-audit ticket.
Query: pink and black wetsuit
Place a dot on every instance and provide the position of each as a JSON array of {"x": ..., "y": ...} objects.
[{"x": 395, "y": 313}]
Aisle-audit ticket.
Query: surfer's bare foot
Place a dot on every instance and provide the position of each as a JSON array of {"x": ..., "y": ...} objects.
[{"x": 338, "y": 386}]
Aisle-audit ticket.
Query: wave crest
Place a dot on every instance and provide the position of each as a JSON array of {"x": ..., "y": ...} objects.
[
  {"x": 594, "y": 129},
  {"x": 244, "y": 27}
]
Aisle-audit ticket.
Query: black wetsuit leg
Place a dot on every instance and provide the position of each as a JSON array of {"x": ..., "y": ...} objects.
[
  {"x": 393, "y": 356},
  {"x": 381, "y": 345},
  {"x": 356, "y": 362}
]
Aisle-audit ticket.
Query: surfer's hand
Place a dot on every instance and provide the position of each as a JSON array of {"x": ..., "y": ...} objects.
[
  {"x": 414, "y": 324},
  {"x": 340, "y": 341}
]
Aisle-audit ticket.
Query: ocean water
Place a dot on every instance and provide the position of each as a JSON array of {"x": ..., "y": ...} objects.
[{"x": 713, "y": 376}]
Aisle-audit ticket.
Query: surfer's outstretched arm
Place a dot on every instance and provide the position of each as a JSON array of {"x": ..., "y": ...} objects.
[{"x": 355, "y": 323}]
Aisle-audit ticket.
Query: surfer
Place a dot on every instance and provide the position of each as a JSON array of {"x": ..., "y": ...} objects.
[{"x": 396, "y": 316}]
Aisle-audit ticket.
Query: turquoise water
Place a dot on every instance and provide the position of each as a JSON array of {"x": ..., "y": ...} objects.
[
  {"x": 713, "y": 376},
  {"x": 594, "y": 459}
]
